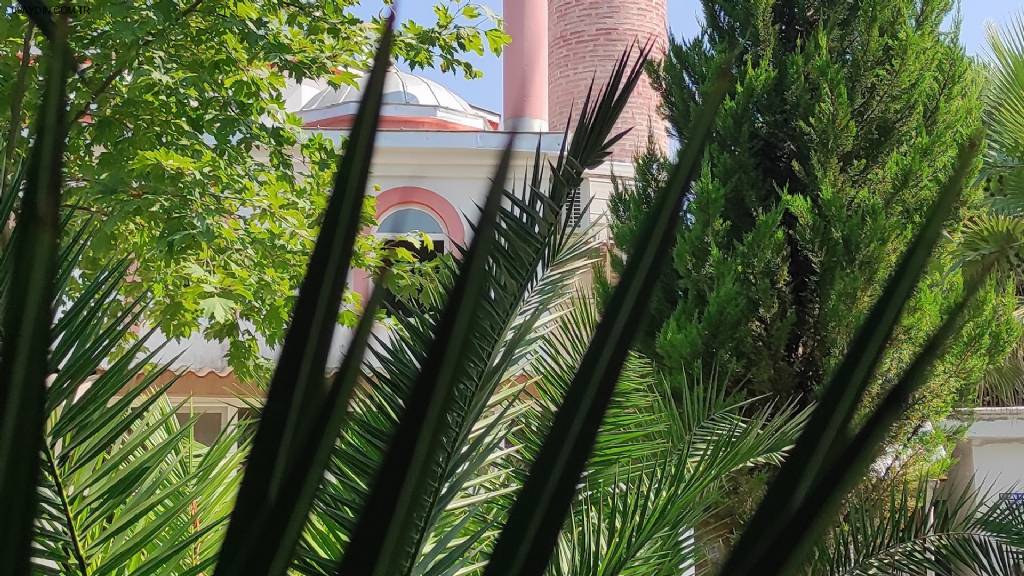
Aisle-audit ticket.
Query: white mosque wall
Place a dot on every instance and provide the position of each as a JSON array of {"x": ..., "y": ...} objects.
[
  {"x": 457, "y": 167},
  {"x": 201, "y": 356},
  {"x": 598, "y": 188}
]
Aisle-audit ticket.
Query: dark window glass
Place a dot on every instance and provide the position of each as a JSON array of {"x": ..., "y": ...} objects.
[
  {"x": 207, "y": 427},
  {"x": 247, "y": 419},
  {"x": 409, "y": 220}
]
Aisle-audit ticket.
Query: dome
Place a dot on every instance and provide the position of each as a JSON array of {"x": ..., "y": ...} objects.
[{"x": 411, "y": 102}]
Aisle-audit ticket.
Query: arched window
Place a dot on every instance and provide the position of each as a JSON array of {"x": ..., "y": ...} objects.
[
  {"x": 405, "y": 220},
  {"x": 399, "y": 224},
  {"x": 404, "y": 227}
]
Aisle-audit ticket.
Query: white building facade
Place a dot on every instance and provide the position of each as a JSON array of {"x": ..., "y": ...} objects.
[
  {"x": 436, "y": 152},
  {"x": 990, "y": 457}
]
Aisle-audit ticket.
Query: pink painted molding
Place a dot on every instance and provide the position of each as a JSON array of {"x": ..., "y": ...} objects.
[
  {"x": 427, "y": 200},
  {"x": 424, "y": 199}
]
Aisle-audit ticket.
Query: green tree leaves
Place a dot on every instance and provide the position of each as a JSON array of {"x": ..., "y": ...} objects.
[
  {"x": 181, "y": 145},
  {"x": 841, "y": 131}
]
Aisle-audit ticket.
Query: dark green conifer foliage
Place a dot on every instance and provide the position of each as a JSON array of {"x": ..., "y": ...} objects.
[
  {"x": 844, "y": 121},
  {"x": 626, "y": 208}
]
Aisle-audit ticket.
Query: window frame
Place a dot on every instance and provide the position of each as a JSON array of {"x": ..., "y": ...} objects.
[{"x": 442, "y": 237}]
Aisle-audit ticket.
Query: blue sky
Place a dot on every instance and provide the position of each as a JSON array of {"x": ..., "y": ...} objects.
[{"x": 683, "y": 21}]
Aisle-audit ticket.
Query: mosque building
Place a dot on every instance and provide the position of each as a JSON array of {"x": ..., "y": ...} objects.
[{"x": 436, "y": 152}]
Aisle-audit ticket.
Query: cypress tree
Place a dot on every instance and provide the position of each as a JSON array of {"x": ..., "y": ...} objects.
[{"x": 844, "y": 122}]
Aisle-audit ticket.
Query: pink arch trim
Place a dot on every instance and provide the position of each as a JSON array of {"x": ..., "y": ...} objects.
[
  {"x": 423, "y": 198},
  {"x": 420, "y": 198}
]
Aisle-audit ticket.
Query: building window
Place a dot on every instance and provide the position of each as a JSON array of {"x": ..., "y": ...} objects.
[
  {"x": 399, "y": 229},
  {"x": 208, "y": 425},
  {"x": 213, "y": 416},
  {"x": 404, "y": 222}
]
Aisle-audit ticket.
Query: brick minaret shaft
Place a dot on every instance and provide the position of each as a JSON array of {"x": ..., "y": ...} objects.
[{"x": 586, "y": 37}]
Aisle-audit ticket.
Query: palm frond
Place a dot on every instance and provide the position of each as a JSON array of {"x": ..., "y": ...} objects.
[
  {"x": 658, "y": 462},
  {"x": 530, "y": 535},
  {"x": 1003, "y": 385},
  {"x": 997, "y": 236},
  {"x": 387, "y": 521},
  {"x": 1004, "y": 114},
  {"x": 121, "y": 487},
  {"x": 28, "y": 309},
  {"x": 995, "y": 239},
  {"x": 537, "y": 254},
  {"x": 124, "y": 484},
  {"x": 295, "y": 428},
  {"x": 916, "y": 529}
]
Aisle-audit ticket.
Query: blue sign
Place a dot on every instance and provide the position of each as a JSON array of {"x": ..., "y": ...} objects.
[{"x": 1016, "y": 498}]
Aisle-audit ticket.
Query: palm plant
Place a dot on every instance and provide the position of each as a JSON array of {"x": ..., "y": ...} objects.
[
  {"x": 998, "y": 237},
  {"x": 120, "y": 483},
  {"x": 399, "y": 465},
  {"x": 124, "y": 487},
  {"x": 1003, "y": 385},
  {"x": 918, "y": 529},
  {"x": 536, "y": 256},
  {"x": 658, "y": 466}
]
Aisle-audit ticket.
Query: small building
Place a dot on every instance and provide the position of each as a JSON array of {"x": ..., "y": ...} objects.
[{"x": 990, "y": 457}]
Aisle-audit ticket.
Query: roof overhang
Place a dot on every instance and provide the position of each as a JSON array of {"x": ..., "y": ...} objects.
[
  {"x": 1006, "y": 423},
  {"x": 397, "y": 116},
  {"x": 550, "y": 142}
]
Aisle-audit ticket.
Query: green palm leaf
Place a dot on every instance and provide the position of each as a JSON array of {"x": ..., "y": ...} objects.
[
  {"x": 916, "y": 530},
  {"x": 124, "y": 486},
  {"x": 28, "y": 310},
  {"x": 528, "y": 538},
  {"x": 282, "y": 472},
  {"x": 1004, "y": 114},
  {"x": 120, "y": 485},
  {"x": 658, "y": 463},
  {"x": 1003, "y": 385},
  {"x": 537, "y": 255},
  {"x": 993, "y": 238},
  {"x": 387, "y": 521}
]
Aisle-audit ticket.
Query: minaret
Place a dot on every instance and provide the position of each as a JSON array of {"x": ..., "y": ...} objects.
[
  {"x": 586, "y": 37},
  {"x": 526, "y": 66}
]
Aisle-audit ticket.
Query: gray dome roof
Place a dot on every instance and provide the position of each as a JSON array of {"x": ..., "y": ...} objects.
[{"x": 399, "y": 88}]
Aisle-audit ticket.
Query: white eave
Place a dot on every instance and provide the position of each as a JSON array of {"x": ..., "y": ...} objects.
[
  {"x": 990, "y": 423},
  {"x": 490, "y": 141},
  {"x": 472, "y": 120}
]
